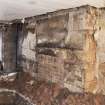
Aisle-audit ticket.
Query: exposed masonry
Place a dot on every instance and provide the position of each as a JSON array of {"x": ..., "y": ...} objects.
[{"x": 66, "y": 47}]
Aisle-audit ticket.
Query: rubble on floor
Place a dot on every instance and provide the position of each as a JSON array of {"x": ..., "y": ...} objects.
[{"x": 47, "y": 93}]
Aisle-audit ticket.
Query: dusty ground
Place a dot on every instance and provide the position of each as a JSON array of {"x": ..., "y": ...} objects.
[{"x": 42, "y": 93}]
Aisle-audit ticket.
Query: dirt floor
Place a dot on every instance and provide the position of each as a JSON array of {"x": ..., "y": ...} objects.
[{"x": 42, "y": 93}]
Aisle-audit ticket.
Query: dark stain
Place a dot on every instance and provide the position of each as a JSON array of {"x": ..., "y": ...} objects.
[{"x": 47, "y": 52}]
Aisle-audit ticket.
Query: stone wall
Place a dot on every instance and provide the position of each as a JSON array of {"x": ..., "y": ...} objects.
[
  {"x": 66, "y": 47},
  {"x": 60, "y": 41},
  {"x": 100, "y": 52},
  {"x": 0, "y": 45},
  {"x": 61, "y": 47},
  {"x": 95, "y": 52},
  {"x": 10, "y": 48},
  {"x": 26, "y": 48},
  {"x": 68, "y": 37}
]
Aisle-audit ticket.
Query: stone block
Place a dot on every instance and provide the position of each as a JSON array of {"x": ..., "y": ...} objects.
[
  {"x": 75, "y": 40},
  {"x": 62, "y": 66},
  {"x": 52, "y": 31}
]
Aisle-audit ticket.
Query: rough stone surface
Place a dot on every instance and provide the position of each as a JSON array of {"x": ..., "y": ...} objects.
[
  {"x": 9, "y": 48},
  {"x": 100, "y": 52},
  {"x": 62, "y": 66},
  {"x": 51, "y": 32},
  {"x": 66, "y": 47},
  {"x": 27, "y": 48}
]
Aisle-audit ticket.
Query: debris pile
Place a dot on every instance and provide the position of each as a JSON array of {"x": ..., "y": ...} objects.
[{"x": 47, "y": 93}]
